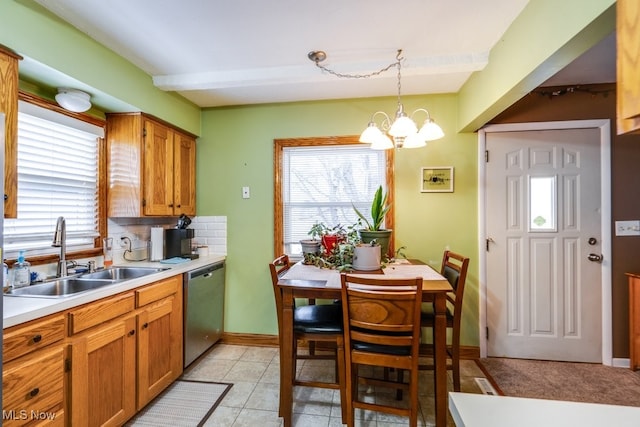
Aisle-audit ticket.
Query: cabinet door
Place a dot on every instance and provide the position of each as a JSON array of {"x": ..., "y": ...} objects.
[
  {"x": 159, "y": 348},
  {"x": 103, "y": 374},
  {"x": 184, "y": 159},
  {"x": 628, "y": 65},
  {"x": 9, "y": 106},
  {"x": 158, "y": 169}
]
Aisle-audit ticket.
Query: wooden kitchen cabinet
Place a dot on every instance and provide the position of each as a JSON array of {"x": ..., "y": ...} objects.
[
  {"x": 103, "y": 374},
  {"x": 628, "y": 66},
  {"x": 33, "y": 373},
  {"x": 634, "y": 321},
  {"x": 151, "y": 167},
  {"x": 131, "y": 346},
  {"x": 9, "y": 106},
  {"x": 159, "y": 337}
]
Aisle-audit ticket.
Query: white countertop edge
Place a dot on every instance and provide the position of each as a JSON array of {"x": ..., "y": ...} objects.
[
  {"x": 17, "y": 310},
  {"x": 480, "y": 410}
]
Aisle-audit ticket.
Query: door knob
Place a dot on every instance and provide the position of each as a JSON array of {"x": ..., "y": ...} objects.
[{"x": 595, "y": 258}]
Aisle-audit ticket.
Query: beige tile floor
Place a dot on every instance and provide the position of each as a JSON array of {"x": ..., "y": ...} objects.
[{"x": 253, "y": 399}]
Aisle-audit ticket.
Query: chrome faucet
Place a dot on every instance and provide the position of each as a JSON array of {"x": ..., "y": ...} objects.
[{"x": 60, "y": 241}]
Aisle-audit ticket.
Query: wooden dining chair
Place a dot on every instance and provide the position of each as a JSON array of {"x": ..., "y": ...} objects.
[
  {"x": 381, "y": 329},
  {"x": 454, "y": 269},
  {"x": 312, "y": 323}
]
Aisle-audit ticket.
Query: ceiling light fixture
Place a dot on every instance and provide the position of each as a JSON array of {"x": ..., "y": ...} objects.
[
  {"x": 73, "y": 100},
  {"x": 402, "y": 129}
]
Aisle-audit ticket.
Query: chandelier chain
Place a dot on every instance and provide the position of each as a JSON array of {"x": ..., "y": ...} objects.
[{"x": 364, "y": 76}]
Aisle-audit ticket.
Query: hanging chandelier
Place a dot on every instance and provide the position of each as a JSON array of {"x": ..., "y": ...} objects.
[{"x": 402, "y": 131}]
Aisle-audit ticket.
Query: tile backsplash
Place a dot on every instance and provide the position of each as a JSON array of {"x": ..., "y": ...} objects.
[{"x": 208, "y": 231}]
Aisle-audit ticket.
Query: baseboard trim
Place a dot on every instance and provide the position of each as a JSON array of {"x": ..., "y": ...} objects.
[
  {"x": 466, "y": 352},
  {"x": 263, "y": 340},
  {"x": 621, "y": 363},
  {"x": 257, "y": 340}
]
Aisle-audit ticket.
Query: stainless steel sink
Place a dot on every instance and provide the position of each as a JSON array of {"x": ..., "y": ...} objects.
[
  {"x": 66, "y": 286},
  {"x": 59, "y": 288},
  {"x": 122, "y": 273}
]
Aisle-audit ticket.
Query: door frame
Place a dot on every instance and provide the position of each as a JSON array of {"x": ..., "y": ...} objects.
[{"x": 604, "y": 127}]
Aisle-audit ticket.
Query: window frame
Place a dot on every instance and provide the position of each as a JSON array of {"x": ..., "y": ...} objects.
[
  {"x": 102, "y": 180},
  {"x": 278, "y": 148}
]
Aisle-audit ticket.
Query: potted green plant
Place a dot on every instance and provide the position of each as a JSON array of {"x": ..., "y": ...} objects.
[
  {"x": 312, "y": 245},
  {"x": 373, "y": 231}
]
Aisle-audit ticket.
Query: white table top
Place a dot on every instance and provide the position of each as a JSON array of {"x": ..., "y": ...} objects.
[
  {"x": 480, "y": 410},
  {"x": 332, "y": 277}
]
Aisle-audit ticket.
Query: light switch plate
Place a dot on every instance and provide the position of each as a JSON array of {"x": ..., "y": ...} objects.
[
  {"x": 628, "y": 228},
  {"x": 246, "y": 193}
]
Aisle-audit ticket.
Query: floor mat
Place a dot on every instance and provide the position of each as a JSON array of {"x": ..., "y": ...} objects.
[
  {"x": 185, "y": 403},
  {"x": 573, "y": 381}
]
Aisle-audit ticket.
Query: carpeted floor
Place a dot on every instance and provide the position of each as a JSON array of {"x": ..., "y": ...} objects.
[
  {"x": 184, "y": 403},
  {"x": 579, "y": 382}
]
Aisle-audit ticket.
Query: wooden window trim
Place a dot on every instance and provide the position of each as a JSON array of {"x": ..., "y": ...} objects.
[{"x": 278, "y": 147}]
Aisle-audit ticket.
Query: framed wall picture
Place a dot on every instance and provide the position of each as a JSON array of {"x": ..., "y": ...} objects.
[{"x": 436, "y": 179}]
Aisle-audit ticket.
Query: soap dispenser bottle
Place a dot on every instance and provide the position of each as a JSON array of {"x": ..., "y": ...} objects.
[{"x": 21, "y": 272}]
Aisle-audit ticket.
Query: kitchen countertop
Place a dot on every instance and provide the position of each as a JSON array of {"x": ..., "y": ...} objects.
[{"x": 18, "y": 310}]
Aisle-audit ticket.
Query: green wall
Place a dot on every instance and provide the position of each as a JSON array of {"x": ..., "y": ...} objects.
[{"x": 236, "y": 150}]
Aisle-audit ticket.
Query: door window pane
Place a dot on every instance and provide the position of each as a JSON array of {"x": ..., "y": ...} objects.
[{"x": 542, "y": 203}]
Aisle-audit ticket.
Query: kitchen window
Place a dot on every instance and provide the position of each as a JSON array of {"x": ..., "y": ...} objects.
[
  {"x": 58, "y": 175},
  {"x": 320, "y": 180}
]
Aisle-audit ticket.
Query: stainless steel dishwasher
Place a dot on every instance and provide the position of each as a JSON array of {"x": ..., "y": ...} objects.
[{"x": 203, "y": 309}]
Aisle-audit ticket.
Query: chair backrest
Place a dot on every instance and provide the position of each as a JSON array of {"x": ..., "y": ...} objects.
[
  {"x": 454, "y": 269},
  {"x": 278, "y": 267},
  {"x": 382, "y": 312}
]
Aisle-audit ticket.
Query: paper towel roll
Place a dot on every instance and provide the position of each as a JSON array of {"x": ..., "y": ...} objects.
[{"x": 156, "y": 252}]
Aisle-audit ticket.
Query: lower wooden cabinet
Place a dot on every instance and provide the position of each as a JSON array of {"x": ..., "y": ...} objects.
[
  {"x": 96, "y": 364},
  {"x": 103, "y": 374},
  {"x": 634, "y": 321},
  {"x": 33, "y": 389},
  {"x": 159, "y": 343},
  {"x": 120, "y": 365},
  {"x": 33, "y": 373}
]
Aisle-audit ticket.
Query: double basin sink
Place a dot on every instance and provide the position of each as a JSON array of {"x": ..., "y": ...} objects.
[{"x": 71, "y": 285}]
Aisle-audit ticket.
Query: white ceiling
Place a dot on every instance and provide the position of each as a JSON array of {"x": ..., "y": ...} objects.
[{"x": 231, "y": 52}]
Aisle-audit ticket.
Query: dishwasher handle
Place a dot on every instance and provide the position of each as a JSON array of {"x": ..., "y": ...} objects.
[{"x": 206, "y": 271}]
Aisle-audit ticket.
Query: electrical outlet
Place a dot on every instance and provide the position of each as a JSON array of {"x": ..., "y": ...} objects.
[
  {"x": 126, "y": 239},
  {"x": 628, "y": 228}
]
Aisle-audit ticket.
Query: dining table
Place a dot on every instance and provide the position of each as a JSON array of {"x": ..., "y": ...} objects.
[{"x": 307, "y": 281}]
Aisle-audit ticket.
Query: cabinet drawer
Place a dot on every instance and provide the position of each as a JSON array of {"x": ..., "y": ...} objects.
[
  {"x": 101, "y": 311},
  {"x": 158, "y": 290},
  {"x": 33, "y": 389},
  {"x": 24, "y": 339}
]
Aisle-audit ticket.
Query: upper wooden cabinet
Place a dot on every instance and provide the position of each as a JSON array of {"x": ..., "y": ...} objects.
[
  {"x": 9, "y": 106},
  {"x": 628, "y": 65},
  {"x": 151, "y": 167}
]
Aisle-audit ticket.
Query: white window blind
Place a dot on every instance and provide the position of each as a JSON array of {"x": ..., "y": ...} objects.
[
  {"x": 57, "y": 176},
  {"x": 322, "y": 184}
]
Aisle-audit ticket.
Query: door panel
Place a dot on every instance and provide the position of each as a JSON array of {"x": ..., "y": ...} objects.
[{"x": 543, "y": 205}]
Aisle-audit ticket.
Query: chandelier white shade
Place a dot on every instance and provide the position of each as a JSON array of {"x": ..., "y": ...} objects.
[
  {"x": 403, "y": 131},
  {"x": 73, "y": 100}
]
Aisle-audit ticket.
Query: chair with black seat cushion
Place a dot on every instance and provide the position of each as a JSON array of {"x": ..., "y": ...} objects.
[
  {"x": 454, "y": 269},
  {"x": 381, "y": 329},
  {"x": 312, "y": 323}
]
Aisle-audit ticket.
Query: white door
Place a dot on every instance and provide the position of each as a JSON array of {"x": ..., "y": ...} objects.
[{"x": 543, "y": 228}]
